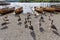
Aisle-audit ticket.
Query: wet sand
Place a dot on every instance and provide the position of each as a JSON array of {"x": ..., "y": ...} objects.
[{"x": 17, "y": 32}]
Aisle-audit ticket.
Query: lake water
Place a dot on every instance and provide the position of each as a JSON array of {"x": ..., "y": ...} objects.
[{"x": 28, "y": 7}]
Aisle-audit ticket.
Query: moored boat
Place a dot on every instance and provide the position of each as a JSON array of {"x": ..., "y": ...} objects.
[
  {"x": 57, "y": 7},
  {"x": 19, "y": 10},
  {"x": 6, "y": 10},
  {"x": 49, "y": 9},
  {"x": 39, "y": 10},
  {"x": 57, "y": 10}
]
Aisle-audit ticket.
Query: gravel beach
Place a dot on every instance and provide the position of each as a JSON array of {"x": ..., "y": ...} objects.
[{"x": 17, "y": 32}]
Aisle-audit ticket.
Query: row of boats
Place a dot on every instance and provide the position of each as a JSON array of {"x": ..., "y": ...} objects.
[
  {"x": 47, "y": 9},
  {"x": 7, "y": 10},
  {"x": 20, "y": 10}
]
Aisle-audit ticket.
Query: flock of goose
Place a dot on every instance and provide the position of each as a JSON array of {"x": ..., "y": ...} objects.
[{"x": 28, "y": 19}]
